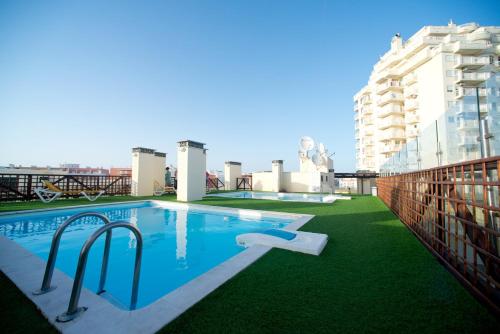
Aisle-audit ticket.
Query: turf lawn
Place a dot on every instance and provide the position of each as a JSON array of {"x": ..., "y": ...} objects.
[{"x": 373, "y": 276}]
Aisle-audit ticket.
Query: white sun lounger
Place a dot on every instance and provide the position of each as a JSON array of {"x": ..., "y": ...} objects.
[{"x": 304, "y": 242}]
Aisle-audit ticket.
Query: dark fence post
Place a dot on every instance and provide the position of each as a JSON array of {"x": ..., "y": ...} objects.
[{"x": 28, "y": 187}]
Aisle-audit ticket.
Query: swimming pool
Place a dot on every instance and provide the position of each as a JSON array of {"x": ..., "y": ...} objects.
[
  {"x": 295, "y": 197},
  {"x": 180, "y": 244}
]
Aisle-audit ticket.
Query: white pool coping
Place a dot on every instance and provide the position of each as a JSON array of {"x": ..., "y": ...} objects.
[
  {"x": 326, "y": 198},
  {"x": 26, "y": 270}
]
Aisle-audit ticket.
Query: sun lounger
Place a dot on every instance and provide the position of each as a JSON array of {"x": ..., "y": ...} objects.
[
  {"x": 52, "y": 192},
  {"x": 158, "y": 190}
]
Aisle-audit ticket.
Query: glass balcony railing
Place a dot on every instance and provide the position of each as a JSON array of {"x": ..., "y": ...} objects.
[{"x": 462, "y": 133}]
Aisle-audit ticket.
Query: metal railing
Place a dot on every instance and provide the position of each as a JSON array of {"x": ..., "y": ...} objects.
[
  {"x": 214, "y": 183},
  {"x": 20, "y": 187},
  {"x": 73, "y": 310},
  {"x": 54, "y": 248},
  {"x": 454, "y": 210},
  {"x": 243, "y": 183}
]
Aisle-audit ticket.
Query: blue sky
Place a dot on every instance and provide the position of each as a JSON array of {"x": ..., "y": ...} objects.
[{"x": 85, "y": 81}]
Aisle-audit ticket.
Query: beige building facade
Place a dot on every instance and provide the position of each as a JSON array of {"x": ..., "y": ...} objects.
[{"x": 414, "y": 85}]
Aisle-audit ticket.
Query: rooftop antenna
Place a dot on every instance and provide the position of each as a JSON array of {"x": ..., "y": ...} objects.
[{"x": 306, "y": 145}]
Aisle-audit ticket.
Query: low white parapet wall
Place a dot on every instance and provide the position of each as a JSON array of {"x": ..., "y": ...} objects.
[
  {"x": 296, "y": 182},
  {"x": 262, "y": 181}
]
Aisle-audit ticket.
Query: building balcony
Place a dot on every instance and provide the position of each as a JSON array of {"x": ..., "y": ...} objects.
[
  {"x": 411, "y": 92},
  {"x": 461, "y": 92},
  {"x": 410, "y": 79},
  {"x": 368, "y": 121},
  {"x": 369, "y": 142},
  {"x": 369, "y": 153},
  {"x": 412, "y": 118},
  {"x": 365, "y": 100},
  {"x": 411, "y": 105},
  {"x": 389, "y": 85},
  {"x": 367, "y": 111},
  {"x": 469, "y": 141},
  {"x": 468, "y": 125},
  {"x": 471, "y": 108},
  {"x": 467, "y": 47},
  {"x": 479, "y": 34},
  {"x": 390, "y": 109},
  {"x": 390, "y": 97},
  {"x": 368, "y": 132},
  {"x": 471, "y": 62},
  {"x": 392, "y": 134},
  {"x": 391, "y": 122},
  {"x": 386, "y": 75},
  {"x": 472, "y": 78},
  {"x": 390, "y": 148},
  {"x": 412, "y": 133}
]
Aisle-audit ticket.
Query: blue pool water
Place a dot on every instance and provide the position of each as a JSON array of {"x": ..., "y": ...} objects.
[
  {"x": 179, "y": 245},
  {"x": 296, "y": 197}
]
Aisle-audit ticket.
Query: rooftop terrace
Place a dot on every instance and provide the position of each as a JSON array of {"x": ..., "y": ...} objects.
[{"x": 373, "y": 276}]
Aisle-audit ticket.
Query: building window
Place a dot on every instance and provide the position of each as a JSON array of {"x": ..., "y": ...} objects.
[
  {"x": 450, "y": 58},
  {"x": 450, "y": 73},
  {"x": 450, "y": 89}
]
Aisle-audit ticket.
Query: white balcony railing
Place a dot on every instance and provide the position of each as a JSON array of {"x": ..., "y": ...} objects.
[
  {"x": 369, "y": 142},
  {"x": 412, "y": 132},
  {"x": 412, "y": 118},
  {"x": 411, "y": 91},
  {"x": 472, "y": 62},
  {"x": 391, "y": 121},
  {"x": 468, "y": 47},
  {"x": 461, "y": 92},
  {"x": 465, "y": 125},
  {"x": 390, "y": 109},
  {"x": 411, "y": 104},
  {"x": 388, "y": 85},
  {"x": 390, "y": 97},
  {"x": 390, "y": 148},
  {"x": 392, "y": 134},
  {"x": 472, "y": 77},
  {"x": 368, "y": 120},
  {"x": 410, "y": 79}
]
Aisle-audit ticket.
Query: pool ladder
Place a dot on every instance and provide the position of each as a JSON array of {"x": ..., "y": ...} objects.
[{"x": 73, "y": 310}]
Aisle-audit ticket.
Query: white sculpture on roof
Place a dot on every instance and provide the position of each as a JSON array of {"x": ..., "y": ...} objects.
[{"x": 314, "y": 157}]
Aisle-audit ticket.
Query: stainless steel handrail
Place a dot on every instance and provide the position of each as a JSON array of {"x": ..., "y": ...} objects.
[
  {"x": 73, "y": 309},
  {"x": 54, "y": 248}
]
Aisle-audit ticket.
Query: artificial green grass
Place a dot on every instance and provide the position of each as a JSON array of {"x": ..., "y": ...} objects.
[
  {"x": 373, "y": 276},
  {"x": 17, "y": 313}
]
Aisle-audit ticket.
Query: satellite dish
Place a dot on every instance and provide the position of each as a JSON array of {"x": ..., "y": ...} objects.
[
  {"x": 321, "y": 148},
  {"x": 316, "y": 159},
  {"x": 306, "y": 144}
]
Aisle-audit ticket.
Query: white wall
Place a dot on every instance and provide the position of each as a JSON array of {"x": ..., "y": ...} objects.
[{"x": 262, "y": 181}]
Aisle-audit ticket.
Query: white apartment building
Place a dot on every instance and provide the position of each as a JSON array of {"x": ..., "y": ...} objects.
[{"x": 415, "y": 86}]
